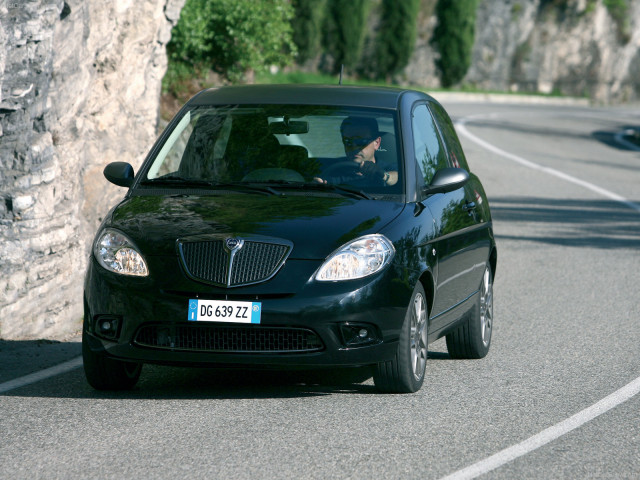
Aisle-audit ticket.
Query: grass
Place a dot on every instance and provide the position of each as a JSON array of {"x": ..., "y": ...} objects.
[
  {"x": 313, "y": 78},
  {"x": 322, "y": 79},
  {"x": 170, "y": 104}
]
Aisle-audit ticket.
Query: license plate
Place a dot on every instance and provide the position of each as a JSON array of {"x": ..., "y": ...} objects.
[{"x": 224, "y": 311}]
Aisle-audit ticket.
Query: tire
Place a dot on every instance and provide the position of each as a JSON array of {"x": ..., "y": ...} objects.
[
  {"x": 104, "y": 373},
  {"x": 472, "y": 339},
  {"x": 405, "y": 373}
]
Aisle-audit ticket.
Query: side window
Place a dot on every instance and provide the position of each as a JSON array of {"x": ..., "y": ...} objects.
[
  {"x": 429, "y": 154},
  {"x": 457, "y": 158}
]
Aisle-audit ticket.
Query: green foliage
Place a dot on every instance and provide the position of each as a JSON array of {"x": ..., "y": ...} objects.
[
  {"x": 296, "y": 77},
  {"x": 307, "y": 27},
  {"x": 453, "y": 38},
  {"x": 396, "y": 38},
  {"x": 299, "y": 77},
  {"x": 619, "y": 11},
  {"x": 231, "y": 37},
  {"x": 344, "y": 32}
]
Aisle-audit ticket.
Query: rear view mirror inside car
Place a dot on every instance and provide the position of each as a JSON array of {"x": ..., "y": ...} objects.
[{"x": 289, "y": 127}]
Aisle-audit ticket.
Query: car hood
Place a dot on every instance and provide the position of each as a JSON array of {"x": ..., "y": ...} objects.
[{"x": 316, "y": 225}]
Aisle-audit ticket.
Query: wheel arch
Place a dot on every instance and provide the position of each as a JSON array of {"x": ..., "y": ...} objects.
[
  {"x": 426, "y": 279},
  {"x": 493, "y": 261}
]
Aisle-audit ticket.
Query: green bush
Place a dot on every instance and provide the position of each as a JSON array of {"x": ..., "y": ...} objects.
[
  {"x": 234, "y": 38},
  {"x": 453, "y": 38},
  {"x": 619, "y": 11}
]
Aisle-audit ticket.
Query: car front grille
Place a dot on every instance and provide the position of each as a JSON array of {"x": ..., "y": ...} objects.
[
  {"x": 200, "y": 338},
  {"x": 210, "y": 261}
]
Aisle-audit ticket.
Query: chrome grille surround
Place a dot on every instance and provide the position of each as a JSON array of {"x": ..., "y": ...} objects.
[
  {"x": 226, "y": 339},
  {"x": 228, "y": 261}
]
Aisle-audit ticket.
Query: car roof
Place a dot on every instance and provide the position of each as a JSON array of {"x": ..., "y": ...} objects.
[{"x": 305, "y": 94}]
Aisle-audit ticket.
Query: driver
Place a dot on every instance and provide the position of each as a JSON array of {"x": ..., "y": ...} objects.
[{"x": 361, "y": 139}]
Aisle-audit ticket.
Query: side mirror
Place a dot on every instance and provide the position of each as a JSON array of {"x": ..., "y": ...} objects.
[
  {"x": 119, "y": 173},
  {"x": 446, "y": 180}
]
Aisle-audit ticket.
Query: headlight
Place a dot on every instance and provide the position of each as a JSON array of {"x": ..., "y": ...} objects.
[
  {"x": 356, "y": 259},
  {"x": 115, "y": 252}
]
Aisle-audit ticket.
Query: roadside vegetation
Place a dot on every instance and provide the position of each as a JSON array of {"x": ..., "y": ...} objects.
[{"x": 221, "y": 42}]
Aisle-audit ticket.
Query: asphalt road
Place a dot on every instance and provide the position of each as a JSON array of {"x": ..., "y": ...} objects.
[{"x": 565, "y": 196}]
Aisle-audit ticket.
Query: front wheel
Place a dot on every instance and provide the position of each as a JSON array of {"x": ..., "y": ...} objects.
[
  {"x": 472, "y": 339},
  {"x": 405, "y": 373},
  {"x": 105, "y": 373}
]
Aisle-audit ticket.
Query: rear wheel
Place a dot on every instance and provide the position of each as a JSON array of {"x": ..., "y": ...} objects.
[
  {"x": 405, "y": 373},
  {"x": 472, "y": 339},
  {"x": 105, "y": 373}
]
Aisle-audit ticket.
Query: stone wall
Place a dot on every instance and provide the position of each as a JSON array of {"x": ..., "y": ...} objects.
[
  {"x": 79, "y": 88},
  {"x": 574, "y": 47}
]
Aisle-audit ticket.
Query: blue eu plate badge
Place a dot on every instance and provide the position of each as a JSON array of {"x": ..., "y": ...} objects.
[{"x": 224, "y": 311}]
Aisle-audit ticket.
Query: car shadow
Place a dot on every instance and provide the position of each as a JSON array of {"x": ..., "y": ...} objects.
[
  {"x": 605, "y": 224},
  {"x": 628, "y": 133},
  {"x": 185, "y": 383}
]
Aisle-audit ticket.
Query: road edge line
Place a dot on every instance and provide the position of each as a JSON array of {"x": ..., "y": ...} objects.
[
  {"x": 41, "y": 375},
  {"x": 461, "y": 126},
  {"x": 548, "y": 435}
]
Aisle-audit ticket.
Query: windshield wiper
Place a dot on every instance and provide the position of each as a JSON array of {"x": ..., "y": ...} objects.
[
  {"x": 345, "y": 190},
  {"x": 177, "y": 180},
  {"x": 349, "y": 190},
  {"x": 247, "y": 187}
]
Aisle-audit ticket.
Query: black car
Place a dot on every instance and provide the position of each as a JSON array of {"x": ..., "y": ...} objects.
[{"x": 293, "y": 227}]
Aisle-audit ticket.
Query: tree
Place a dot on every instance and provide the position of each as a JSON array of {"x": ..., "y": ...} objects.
[
  {"x": 307, "y": 27},
  {"x": 453, "y": 38},
  {"x": 344, "y": 32},
  {"x": 397, "y": 37},
  {"x": 234, "y": 38}
]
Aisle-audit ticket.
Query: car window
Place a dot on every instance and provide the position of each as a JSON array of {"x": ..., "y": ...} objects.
[
  {"x": 429, "y": 154},
  {"x": 456, "y": 155},
  {"x": 272, "y": 143}
]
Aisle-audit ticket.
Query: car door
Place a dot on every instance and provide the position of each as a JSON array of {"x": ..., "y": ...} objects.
[
  {"x": 464, "y": 245},
  {"x": 451, "y": 219}
]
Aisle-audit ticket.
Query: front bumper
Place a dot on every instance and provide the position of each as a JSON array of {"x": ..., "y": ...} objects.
[{"x": 290, "y": 302}]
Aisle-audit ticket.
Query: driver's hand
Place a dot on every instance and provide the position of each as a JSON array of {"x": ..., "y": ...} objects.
[{"x": 372, "y": 171}]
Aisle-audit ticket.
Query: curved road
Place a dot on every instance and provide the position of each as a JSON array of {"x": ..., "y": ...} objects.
[{"x": 557, "y": 396}]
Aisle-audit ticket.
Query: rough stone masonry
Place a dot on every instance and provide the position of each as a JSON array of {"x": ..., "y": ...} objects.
[
  {"x": 80, "y": 84},
  {"x": 79, "y": 87}
]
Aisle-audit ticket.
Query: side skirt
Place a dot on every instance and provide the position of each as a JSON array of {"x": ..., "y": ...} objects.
[{"x": 453, "y": 317}]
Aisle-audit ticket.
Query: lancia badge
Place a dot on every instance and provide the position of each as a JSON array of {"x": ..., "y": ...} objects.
[{"x": 233, "y": 243}]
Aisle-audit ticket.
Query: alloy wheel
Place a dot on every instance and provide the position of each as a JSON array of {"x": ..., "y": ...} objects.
[
  {"x": 419, "y": 337},
  {"x": 486, "y": 307}
]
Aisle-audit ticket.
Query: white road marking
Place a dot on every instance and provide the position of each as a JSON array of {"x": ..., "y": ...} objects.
[
  {"x": 552, "y": 433},
  {"x": 41, "y": 375},
  {"x": 548, "y": 435},
  {"x": 461, "y": 127}
]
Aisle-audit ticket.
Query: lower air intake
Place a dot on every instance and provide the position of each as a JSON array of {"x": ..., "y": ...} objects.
[{"x": 198, "y": 338}]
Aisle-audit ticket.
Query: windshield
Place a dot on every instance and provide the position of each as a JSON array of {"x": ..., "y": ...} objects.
[{"x": 282, "y": 145}]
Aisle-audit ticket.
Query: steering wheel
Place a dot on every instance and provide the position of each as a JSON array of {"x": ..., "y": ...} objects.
[{"x": 344, "y": 167}]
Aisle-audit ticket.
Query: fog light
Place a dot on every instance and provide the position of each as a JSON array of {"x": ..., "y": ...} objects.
[
  {"x": 359, "y": 335},
  {"x": 107, "y": 326}
]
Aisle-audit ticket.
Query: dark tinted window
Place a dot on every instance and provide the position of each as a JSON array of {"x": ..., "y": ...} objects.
[
  {"x": 430, "y": 156},
  {"x": 456, "y": 155},
  {"x": 298, "y": 143}
]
